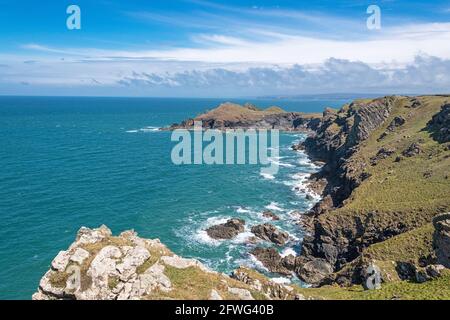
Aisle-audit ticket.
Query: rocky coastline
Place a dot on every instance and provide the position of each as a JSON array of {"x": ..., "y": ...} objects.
[{"x": 374, "y": 152}]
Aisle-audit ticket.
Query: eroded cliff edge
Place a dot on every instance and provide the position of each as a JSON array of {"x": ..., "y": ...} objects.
[{"x": 385, "y": 178}]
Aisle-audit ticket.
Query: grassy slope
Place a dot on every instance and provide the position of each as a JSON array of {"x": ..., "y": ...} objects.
[
  {"x": 401, "y": 186},
  {"x": 400, "y": 192}
]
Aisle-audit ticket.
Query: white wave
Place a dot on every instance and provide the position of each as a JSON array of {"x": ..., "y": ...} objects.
[
  {"x": 280, "y": 164},
  {"x": 267, "y": 176},
  {"x": 253, "y": 262},
  {"x": 144, "y": 129},
  {"x": 274, "y": 206},
  {"x": 281, "y": 280},
  {"x": 242, "y": 237},
  {"x": 288, "y": 251},
  {"x": 243, "y": 210},
  {"x": 202, "y": 237}
]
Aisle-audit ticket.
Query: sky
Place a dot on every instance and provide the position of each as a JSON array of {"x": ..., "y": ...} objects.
[{"x": 234, "y": 48}]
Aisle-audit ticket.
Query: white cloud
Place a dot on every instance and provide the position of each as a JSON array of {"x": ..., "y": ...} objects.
[{"x": 425, "y": 74}]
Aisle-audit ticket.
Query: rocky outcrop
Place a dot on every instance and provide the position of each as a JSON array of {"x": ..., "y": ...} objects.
[
  {"x": 100, "y": 266},
  {"x": 336, "y": 139},
  {"x": 413, "y": 150},
  {"x": 234, "y": 116},
  {"x": 314, "y": 271},
  {"x": 440, "y": 124},
  {"x": 442, "y": 239},
  {"x": 269, "y": 232},
  {"x": 227, "y": 230},
  {"x": 382, "y": 154}
]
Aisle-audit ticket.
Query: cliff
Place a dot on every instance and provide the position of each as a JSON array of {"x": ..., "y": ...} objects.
[{"x": 385, "y": 178}]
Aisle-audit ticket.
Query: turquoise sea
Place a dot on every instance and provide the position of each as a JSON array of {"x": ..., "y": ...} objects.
[{"x": 72, "y": 162}]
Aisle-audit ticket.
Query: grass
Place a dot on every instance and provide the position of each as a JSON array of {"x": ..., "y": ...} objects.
[
  {"x": 194, "y": 284},
  {"x": 438, "y": 289},
  {"x": 402, "y": 191}
]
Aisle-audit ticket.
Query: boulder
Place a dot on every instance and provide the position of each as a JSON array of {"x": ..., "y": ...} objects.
[
  {"x": 227, "y": 230},
  {"x": 269, "y": 232},
  {"x": 383, "y": 153},
  {"x": 412, "y": 150},
  {"x": 313, "y": 272}
]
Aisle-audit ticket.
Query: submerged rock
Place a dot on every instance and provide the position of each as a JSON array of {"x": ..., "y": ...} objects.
[
  {"x": 227, "y": 230},
  {"x": 269, "y": 214},
  {"x": 269, "y": 232}
]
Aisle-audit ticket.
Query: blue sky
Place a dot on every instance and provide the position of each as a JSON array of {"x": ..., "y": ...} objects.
[{"x": 223, "y": 48}]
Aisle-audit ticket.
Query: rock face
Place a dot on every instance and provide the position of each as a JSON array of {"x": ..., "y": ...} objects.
[
  {"x": 338, "y": 141},
  {"x": 442, "y": 239},
  {"x": 100, "y": 266},
  {"x": 313, "y": 272},
  {"x": 227, "y": 230},
  {"x": 233, "y": 116},
  {"x": 269, "y": 232},
  {"x": 440, "y": 124}
]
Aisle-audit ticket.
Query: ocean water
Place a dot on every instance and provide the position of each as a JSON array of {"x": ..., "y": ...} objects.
[{"x": 72, "y": 162}]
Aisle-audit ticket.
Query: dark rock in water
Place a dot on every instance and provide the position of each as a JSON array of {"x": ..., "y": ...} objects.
[
  {"x": 309, "y": 197},
  {"x": 271, "y": 259},
  {"x": 270, "y": 233},
  {"x": 442, "y": 239},
  {"x": 412, "y": 150},
  {"x": 227, "y": 230},
  {"x": 298, "y": 147},
  {"x": 313, "y": 272},
  {"x": 383, "y": 153},
  {"x": 269, "y": 214}
]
